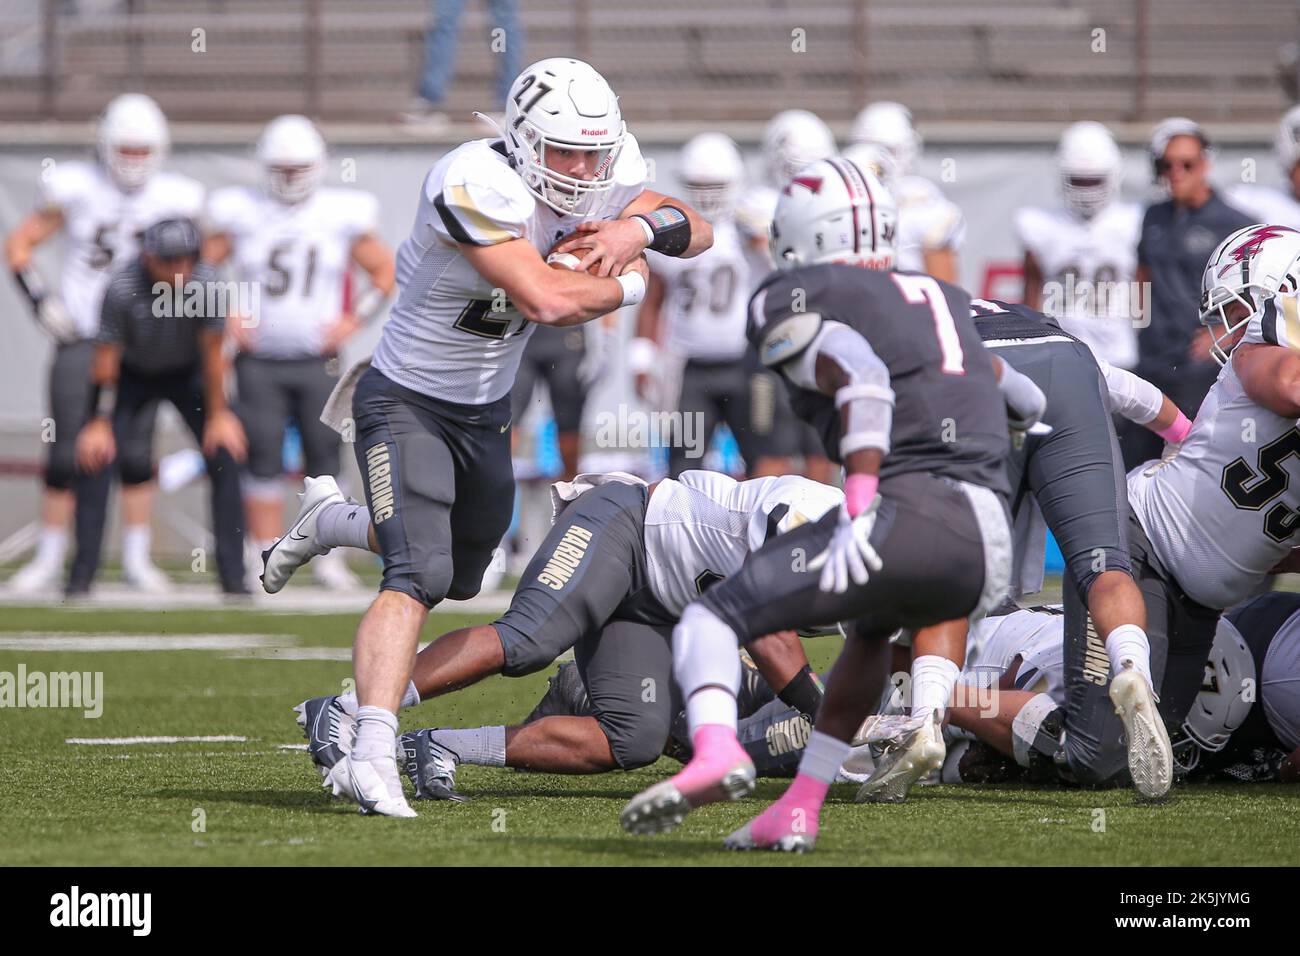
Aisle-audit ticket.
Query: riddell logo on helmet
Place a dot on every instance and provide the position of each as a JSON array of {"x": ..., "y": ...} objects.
[
  {"x": 1250, "y": 246},
  {"x": 595, "y": 132}
]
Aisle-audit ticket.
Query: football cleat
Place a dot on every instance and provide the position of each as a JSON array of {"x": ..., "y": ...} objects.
[
  {"x": 373, "y": 784},
  {"x": 430, "y": 766},
  {"x": 566, "y": 696},
  {"x": 298, "y": 545},
  {"x": 1150, "y": 755},
  {"x": 37, "y": 575},
  {"x": 146, "y": 576},
  {"x": 662, "y": 807},
  {"x": 902, "y": 761},
  {"x": 332, "y": 572},
  {"x": 329, "y": 729},
  {"x": 744, "y": 839}
]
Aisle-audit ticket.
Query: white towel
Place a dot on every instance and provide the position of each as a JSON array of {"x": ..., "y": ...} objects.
[
  {"x": 337, "y": 413},
  {"x": 562, "y": 492}
]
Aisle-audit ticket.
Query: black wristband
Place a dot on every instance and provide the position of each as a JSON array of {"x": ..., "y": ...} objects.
[
  {"x": 30, "y": 282},
  {"x": 671, "y": 228}
]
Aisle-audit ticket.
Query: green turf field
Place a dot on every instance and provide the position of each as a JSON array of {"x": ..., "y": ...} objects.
[{"x": 252, "y": 802}]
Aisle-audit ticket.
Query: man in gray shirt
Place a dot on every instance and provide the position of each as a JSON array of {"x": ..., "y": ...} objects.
[
  {"x": 160, "y": 337},
  {"x": 1177, "y": 238}
]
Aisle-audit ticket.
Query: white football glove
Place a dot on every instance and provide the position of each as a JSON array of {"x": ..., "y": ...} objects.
[
  {"x": 1168, "y": 454},
  {"x": 850, "y": 554},
  {"x": 52, "y": 316}
]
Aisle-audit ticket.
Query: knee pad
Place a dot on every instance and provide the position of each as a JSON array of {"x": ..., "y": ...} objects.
[
  {"x": 1089, "y": 765},
  {"x": 428, "y": 584},
  {"x": 61, "y": 465},
  {"x": 636, "y": 742}
]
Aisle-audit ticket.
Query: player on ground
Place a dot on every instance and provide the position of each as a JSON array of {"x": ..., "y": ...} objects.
[
  {"x": 101, "y": 208},
  {"x": 889, "y": 367},
  {"x": 1268, "y": 203},
  {"x": 294, "y": 242},
  {"x": 609, "y": 581},
  {"x": 931, "y": 228},
  {"x": 432, "y": 412},
  {"x": 691, "y": 326},
  {"x": 1081, "y": 257}
]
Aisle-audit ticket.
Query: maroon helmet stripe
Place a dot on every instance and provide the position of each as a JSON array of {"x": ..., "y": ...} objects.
[{"x": 857, "y": 187}]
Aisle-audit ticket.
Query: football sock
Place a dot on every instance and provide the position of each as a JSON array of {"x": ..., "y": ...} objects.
[
  {"x": 933, "y": 678},
  {"x": 135, "y": 544},
  {"x": 716, "y": 753},
  {"x": 348, "y": 701},
  {"x": 52, "y": 546},
  {"x": 343, "y": 525},
  {"x": 711, "y": 706},
  {"x": 376, "y": 733},
  {"x": 706, "y": 664},
  {"x": 804, "y": 692},
  {"x": 801, "y": 804},
  {"x": 1126, "y": 643},
  {"x": 482, "y": 746},
  {"x": 1028, "y": 736}
]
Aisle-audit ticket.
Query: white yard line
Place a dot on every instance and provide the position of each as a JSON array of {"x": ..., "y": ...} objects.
[
  {"x": 129, "y": 741},
  {"x": 71, "y": 641}
]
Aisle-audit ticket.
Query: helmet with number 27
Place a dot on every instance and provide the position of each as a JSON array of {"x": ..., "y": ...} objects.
[
  {"x": 1243, "y": 275},
  {"x": 834, "y": 211},
  {"x": 563, "y": 105}
]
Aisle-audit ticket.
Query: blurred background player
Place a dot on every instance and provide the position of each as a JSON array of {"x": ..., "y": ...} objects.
[
  {"x": 1086, "y": 248},
  {"x": 294, "y": 241},
  {"x": 931, "y": 229},
  {"x": 1267, "y": 203},
  {"x": 791, "y": 140},
  {"x": 160, "y": 337},
  {"x": 101, "y": 208},
  {"x": 690, "y": 353}
]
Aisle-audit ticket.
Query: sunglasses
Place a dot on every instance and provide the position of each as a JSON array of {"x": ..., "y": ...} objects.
[{"x": 1186, "y": 165}]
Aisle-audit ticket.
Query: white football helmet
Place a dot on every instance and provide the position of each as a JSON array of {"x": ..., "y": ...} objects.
[
  {"x": 132, "y": 122},
  {"x": 833, "y": 211},
  {"x": 562, "y": 103},
  {"x": 711, "y": 170},
  {"x": 292, "y": 153},
  {"x": 1090, "y": 166},
  {"x": 791, "y": 140},
  {"x": 1251, "y": 266},
  {"x": 875, "y": 158},
  {"x": 1286, "y": 143},
  {"x": 889, "y": 125},
  {"x": 1223, "y": 704}
]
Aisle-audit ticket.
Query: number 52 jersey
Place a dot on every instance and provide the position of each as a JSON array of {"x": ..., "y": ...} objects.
[
  {"x": 1223, "y": 512},
  {"x": 451, "y": 335}
]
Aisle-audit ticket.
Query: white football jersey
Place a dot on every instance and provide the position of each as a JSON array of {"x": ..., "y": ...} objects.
[
  {"x": 1092, "y": 263},
  {"x": 700, "y": 527},
  {"x": 1265, "y": 204},
  {"x": 1036, "y": 637},
  {"x": 927, "y": 221},
  {"x": 1222, "y": 513},
  {"x": 298, "y": 255},
  {"x": 451, "y": 335},
  {"x": 102, "y": 225},
  {"x": 705, "y": 298}
]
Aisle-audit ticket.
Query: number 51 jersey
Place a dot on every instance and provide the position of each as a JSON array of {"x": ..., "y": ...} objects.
[
  {"x": 1222, "y": 513},
  {"x": 451, "y": 335}
]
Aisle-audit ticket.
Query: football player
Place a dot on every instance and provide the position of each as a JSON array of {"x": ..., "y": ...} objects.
[
  {"x": 432, "y": 410},
  {"x": 101, "y": 208},
  {"x": 931, "y": 228},
  {"x": 611, "y": 578},
  {"x": 791, "y": 140},
  {"x": 295, "y": 241},
  {"x": 691, "y": 326},
  {"x": 890, "y": 369},
  {"x": 1268, "y": 203},
  {"x": 1086, "y": 248}
]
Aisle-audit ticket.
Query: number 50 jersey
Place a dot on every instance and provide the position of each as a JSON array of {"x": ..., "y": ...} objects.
[
  {"x": 451, "y": 335},
  {"x": 1223, "y": 512}
]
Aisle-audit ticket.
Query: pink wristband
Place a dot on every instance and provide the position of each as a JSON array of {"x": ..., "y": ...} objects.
[
  {"x": 1176, "y": 432},
  {"x": 859, "y": 492}
]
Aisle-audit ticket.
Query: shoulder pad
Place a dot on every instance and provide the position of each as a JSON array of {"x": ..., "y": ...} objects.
[{"x": 785, "y": 338}]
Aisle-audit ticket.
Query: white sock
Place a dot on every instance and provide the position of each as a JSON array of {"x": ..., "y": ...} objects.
[
  {"x": 52, "y": 545},
  {"x": 135, "y": 544},
  {"x": 376, "y": 733},
  {"x": 343, "y": 525},
  {"x": 1128, "y": 643},
  {"x": 348, "y": 700},
  {"x": 481, "y": 746},
  {"x": 823, "y": 756},
  {"x": 933, "y": 678},
  {"x": 711, "y": 705}
]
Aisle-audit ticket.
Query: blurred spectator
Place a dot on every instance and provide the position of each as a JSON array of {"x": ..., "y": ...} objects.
[
  {"x": 160, "y": 336},
  {"x": 1279, "y": 207},
  {"x": 440, "y": 44},
  {"x": 1178, "y": 236}
]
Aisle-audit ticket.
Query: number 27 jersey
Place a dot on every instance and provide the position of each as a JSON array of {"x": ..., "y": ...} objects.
[{"x": 1223, "y": 512}]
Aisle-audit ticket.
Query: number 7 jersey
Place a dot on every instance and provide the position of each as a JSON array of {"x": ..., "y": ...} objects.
[{"x": 1222, "y": 513}]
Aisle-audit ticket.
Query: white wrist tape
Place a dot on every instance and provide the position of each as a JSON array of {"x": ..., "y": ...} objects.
[
  {"x": 369, "y": 304},
  {"x": 869, "y": 418},
  {"x": 649, "y": 229},
  {"x": 642, "y": 355},
  {"x": 633, "y": 288},
  {"x": 866, "y": 390}
]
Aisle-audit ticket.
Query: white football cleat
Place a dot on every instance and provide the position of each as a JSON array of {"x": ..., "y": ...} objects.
[
  {"x": 373, "y": 784},
  {"x": 1150, "y": 755},
  {"x": 298, "y": 546},
  {"x": 146, "y": 576},
  {"x": 903, "y": 762},
  {"x": 330, "y": 570},
  {"x": 37, "y": 575}
]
